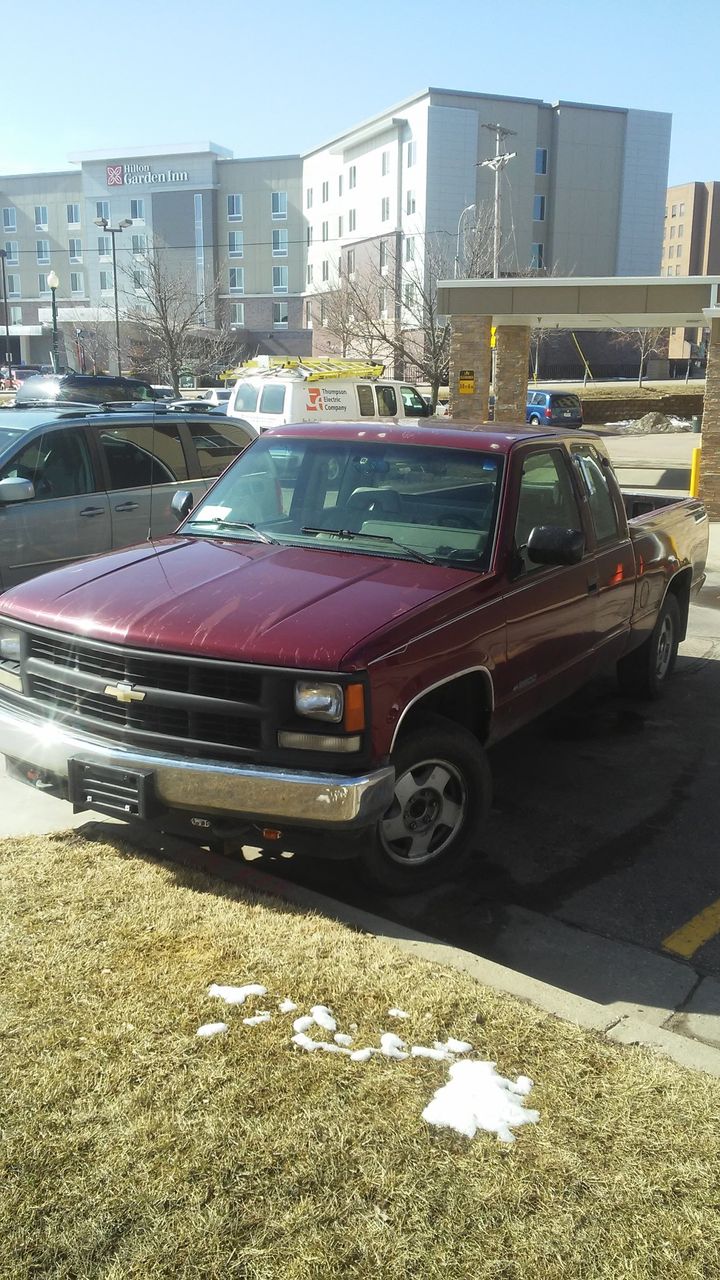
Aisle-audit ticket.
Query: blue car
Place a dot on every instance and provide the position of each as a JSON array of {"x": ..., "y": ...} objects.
[{"x": 553, "y": 409}]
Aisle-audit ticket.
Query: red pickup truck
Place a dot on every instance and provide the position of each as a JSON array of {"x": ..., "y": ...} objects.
[{"x": 319, "y": 657}]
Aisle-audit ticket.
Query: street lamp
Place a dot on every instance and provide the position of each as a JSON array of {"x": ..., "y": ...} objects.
[
  {"x": 113, "y": 232},
  {"x": 8, "y": 352},
  {"x": 467, "y": 209},
  {"x": 53, "y": 283}
]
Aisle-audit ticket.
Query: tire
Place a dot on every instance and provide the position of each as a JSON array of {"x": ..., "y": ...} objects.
[
  {"x": 534, "y": 421},
  {"x": 644, "y": 673},
  {"x": 442, "y": 786}
]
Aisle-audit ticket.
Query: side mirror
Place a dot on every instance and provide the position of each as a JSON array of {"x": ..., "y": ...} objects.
[
  {"x": 550, "y": 544},
  {"x": 16, "y": 490},
  {"x": 182, "y": 503}
]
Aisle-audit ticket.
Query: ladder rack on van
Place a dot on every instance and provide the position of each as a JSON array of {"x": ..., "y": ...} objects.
[{"x": 310, "y": 368}]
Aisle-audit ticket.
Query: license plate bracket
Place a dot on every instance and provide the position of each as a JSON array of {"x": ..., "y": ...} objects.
[{"x": 111, "y": 789}]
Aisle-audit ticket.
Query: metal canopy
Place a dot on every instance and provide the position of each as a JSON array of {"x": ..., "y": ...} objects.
[{"x": 611, "y": 302}]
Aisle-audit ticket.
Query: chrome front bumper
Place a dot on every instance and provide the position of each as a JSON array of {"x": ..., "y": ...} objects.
[{"x": 255, "y": 792}]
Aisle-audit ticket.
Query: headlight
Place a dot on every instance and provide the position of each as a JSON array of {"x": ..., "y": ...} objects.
[
  {"x": 9, "y": 644},
  {"x": 319, "y": 701}
]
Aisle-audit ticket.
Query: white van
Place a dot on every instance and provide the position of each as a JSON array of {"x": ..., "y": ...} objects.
[{"x": 274, "y": 399}]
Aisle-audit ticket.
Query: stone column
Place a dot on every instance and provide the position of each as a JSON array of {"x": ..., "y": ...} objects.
[
  {"x": 710, "y": 455},
  {"x": 512, "y": 358},
  {"x": 470, "y": 355}
]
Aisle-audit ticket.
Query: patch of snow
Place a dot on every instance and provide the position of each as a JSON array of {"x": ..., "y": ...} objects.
[
  {"x": 263, "y": 1016},
  {"x": 303, "y": 1023},
  {"x": 212, "y": 1029},
  {"x": 422, "y": 1051},
  {"x": 305, "y": 1042},
  {"x": 236, "y": 995},
  {"x": 286, "y": 1006},
  {"x": 476, "y": 1097},
  {"x": 397, "y": 1013},
  {"x": 341, "y": 1038},
  {"x": 454, "y": 1046},
  {"x": 392, "y": 1046},
  {"x": 323, "y": 1017},
  {"x": 362, "y": 1055}
]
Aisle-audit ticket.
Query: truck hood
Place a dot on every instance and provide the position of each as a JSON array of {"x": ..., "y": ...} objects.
[{"x": 281, "y": 606}]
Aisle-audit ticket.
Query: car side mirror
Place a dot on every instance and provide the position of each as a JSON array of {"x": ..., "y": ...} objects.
[
  {"x": 15, "y": 489},
  {"x": 182, "y": 503},
  {"x": 551, "y": 544}
]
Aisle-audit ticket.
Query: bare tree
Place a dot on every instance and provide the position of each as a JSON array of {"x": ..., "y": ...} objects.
[
  {"x": 643, "y": 343},
  {"x": 92, "y": 341}
]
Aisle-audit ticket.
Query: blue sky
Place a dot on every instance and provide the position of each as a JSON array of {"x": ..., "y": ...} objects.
[{"x": 281, "y": 77}]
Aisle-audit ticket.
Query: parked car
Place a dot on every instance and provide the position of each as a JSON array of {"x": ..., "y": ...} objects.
[
  {"x": 319, "y": 662},
  {"x": 82, "y": 388},
  {"x": 553, "y": 408},
  {"x": 216, "y": 395},
  {"x": 276, "y": 398},
  {"x": 163, "y": 392},
  {"x": 74, "y": 483}
]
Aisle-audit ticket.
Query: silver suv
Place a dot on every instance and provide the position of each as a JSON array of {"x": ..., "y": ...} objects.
[{"x": 77, "y": 481}]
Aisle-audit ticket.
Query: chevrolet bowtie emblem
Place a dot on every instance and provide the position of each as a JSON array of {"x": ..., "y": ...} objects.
[{"x": 124, "y": 692}]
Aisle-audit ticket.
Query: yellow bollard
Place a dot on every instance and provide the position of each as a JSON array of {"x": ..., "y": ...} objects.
[{"x": 695, "y": 472}]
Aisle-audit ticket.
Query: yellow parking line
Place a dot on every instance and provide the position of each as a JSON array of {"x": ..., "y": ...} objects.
[{"x": 688, "y": 939}]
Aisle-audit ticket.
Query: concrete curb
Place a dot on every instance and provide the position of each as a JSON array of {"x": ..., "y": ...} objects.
[{"x": 625, "y": 1029}]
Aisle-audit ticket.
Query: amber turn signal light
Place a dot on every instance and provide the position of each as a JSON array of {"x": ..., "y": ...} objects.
[{"x": 354, "y": 718}]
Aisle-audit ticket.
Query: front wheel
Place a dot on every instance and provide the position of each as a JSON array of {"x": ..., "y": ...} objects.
[
  {"x": 645, "y": 671},
  {"x": 434, "y": 823}
]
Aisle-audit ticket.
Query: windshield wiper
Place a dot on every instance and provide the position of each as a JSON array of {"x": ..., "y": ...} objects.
[
  {"x": 350, "y": 535},
  {"x": 238, "y": 524}
]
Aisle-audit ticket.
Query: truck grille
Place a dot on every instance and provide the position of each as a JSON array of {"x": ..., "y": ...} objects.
[{"x": 197, "y": 707}]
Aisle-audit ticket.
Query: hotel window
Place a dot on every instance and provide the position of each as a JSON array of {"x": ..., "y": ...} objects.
[
  {"x": 673, "y": 211},
  {"x": 352, "y": 219},
  {"x": 352, "y": 177},
  {"x": 678, "y": 251},
  {"x": 279, "y": 242},
  {"x": 77, "y": 283},
  {"x": 237, "y": 279},
  {"x": 538, "y": 208},
  {"x": 9, "y": 219},
  {"x": 672, "y": 232},
  {"x": 280, "y": 279},
  {"x": 409, "y": 295},
  {"x": 234, "y": 208},
  {"x": 14, "y": 289},
  {"x": 16, "y": 315},
  {"x": 137, "y": 210},
  {"x": 325, "y": 192},
  {"x": 323, "y": 311},
  {"x": 309, "y": 236},
  {"x": 73, "y": 215},
  {"x": 411, "y": 154},
  {"x": 325, "y": 269},
  {"x": 310, "y": 273},
  {"x": 237, "y": 314},
  {"x": 104, "y": 250},
  {"x": 278, "y": 204},
  {"x": 102, "y": 209},
  {"x": 681, "y": 210},
  {"x": 43, "y": 286},
  {"x": 42, "y": 251},
  {"x": 140, "y": 281},
  {"x": 41, "y": 217},
  {"x": 681, "y": 230},
  {"x": 340, "y": 184},
  {"x": 409, "y": 248},
  {"x": 410, "y": 202},
  {"x": 671, "y": 251},
  {"x": 106, "y": 281},
  {"x": 351, "y": 262},
  {"x": 308, "y": 198},
  {"x": 11, "y": 251},
  {"x": 383, "y": 257},
  {"x": 75, "y": 250},
  {"x": 385, "y": 209},
  {"x": 325, "y": 231},
  {"x": 537, "y": 259},
  {"x": 541, "y": 160},
  {"x": 308, "y": 315},
  {"x": 139, "y": 245},
  {"x": 677, "y": 271},
  {"x": 280, "y": 315},
  {"x": 669, "y": 271},
  {"x": 340, "y": 227},
  {"x": 385, "y": 163},
  {"x": 235, "y": 244}
]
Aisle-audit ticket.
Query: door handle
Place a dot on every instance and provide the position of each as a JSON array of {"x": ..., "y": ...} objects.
[
  {"x": 128, "y": 506},
  {"x": 93, "y": 511}
]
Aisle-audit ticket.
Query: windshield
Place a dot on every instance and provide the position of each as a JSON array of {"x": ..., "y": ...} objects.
[{"x": 405, "y": 501}]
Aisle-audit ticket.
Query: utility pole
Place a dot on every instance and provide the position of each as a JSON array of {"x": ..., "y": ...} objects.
[{"x": 497, "y": 163}]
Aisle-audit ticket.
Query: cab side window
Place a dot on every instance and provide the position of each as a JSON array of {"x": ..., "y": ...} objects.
[
  {"x": 386, "y": 401},
  {"x": 546, "y": 498},
  {"x": 58, "y": 464},
  {"x": 600, "y": 499},
  {"x": 413, "y": 403}
]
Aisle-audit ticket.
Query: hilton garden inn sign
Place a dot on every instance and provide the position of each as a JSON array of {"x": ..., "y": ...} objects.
[{"x": 128, "y": 175}]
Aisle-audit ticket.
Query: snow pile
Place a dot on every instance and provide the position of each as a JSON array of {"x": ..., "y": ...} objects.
[
  {"x": 476, "y": 1097},
  {"x": 652, "y": 423}
]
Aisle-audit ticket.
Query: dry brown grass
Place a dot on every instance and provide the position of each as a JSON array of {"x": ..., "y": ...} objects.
[{"x": 131, "y": 1149}]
